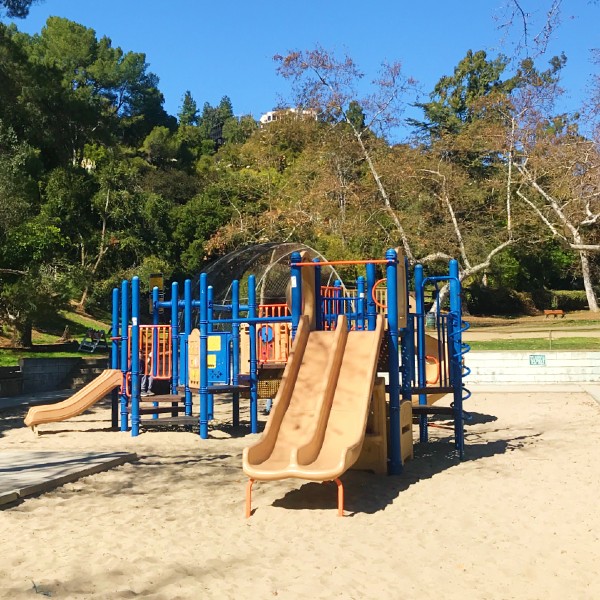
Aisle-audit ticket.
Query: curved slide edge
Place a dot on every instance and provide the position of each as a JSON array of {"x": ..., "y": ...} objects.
[
  {"x": 78, "y": 403},
  {"x": 336, "y": 424},
  {"x": 435, "y": 364}
]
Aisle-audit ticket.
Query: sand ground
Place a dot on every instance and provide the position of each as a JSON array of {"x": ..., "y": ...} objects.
[{"x": 517, "y": 519}]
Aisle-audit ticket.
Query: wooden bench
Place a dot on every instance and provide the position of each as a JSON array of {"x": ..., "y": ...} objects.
[{"x": 554, "y": 312}]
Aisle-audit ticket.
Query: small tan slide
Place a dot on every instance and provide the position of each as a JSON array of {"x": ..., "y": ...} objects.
[
  {"x": 79, "y": 402},
  {"x": 317, "y": 426}
]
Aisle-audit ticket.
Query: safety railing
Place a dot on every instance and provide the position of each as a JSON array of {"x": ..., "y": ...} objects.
[{"x": 156, "y": 350}]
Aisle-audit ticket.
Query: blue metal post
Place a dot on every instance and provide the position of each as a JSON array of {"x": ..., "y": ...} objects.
[
  {"x": 203, "y": 356},
  {"x": 360, "y": 302},
  {"x": 211, "y": 303},
  {"x": 210, "y": 312},
  {"x": 318, "y": 300},
  {"x": 339, "y": 307},
  {"x": 124, "y": 353},
  {"x": 371, "y": 306},
  {"x": 235, "y": 350},
  {"x": 114, "y": 357},
  {"x": 455, "y": 318},
  {"x": 155, "y": 321},
  {"x": 253, "y": 355},
  {"x": 187, "y": 317},
  {"x": 155, "y": 306},
  {"x": 407, "y": 343},
  {"x": 421, "y": 374},
  {"x": 135, "y": 356},
  {"x": 174, "y": 336},
  {"x": 296, "y": 283},
  {"x": 395, "y": 465}
]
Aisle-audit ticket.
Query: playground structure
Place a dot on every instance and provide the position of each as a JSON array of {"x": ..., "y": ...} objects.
[{"x": 332, "y": 340}]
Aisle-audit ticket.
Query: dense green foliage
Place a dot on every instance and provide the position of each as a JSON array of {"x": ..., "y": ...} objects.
[{"x": 98, "y": 182}]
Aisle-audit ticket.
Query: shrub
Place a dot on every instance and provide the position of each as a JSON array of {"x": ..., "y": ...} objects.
[
  {"x": 569, "y": 299},
  {"x": 482, "y": 300}
]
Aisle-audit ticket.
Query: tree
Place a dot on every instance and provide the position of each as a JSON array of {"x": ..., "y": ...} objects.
[
  {"x": 213, "y": 119},
  {"x": 560, "y": 183},
  {"x": 16, "y": 8},
  {"x": 455, "y": 99},
  {"x": 188, "y": 113},
  {"x": 326, "y": 85}
]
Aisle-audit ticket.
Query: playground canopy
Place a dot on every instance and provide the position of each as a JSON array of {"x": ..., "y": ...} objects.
[{"x": 269, "y": 263}]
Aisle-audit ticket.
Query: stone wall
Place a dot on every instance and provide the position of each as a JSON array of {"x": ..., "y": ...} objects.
[
  {"x": 45, "y": 374},
  {"x": 533, "y": 367},
  {"x": 11, "y": 381}
]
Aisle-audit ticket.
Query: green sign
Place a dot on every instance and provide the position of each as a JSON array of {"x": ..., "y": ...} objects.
[{"x": 537, "y": 360}]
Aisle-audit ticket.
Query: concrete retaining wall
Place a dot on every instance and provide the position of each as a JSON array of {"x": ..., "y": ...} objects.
[
  {"x": 11, "y": 381},
  {"x": 44, "y": 374},
  {"x": 533, "y": 367}
]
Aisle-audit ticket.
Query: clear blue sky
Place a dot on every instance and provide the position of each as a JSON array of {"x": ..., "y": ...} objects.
[{"x": 226, "y": 48}]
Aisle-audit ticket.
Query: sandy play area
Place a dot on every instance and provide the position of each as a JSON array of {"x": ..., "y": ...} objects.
[{"x": 517, "y": 519}]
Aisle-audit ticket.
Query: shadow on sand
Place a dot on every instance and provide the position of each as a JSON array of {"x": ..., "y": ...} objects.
[{"x": 365, "y": 492}]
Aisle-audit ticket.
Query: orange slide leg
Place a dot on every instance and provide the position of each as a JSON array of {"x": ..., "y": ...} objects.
[
  {"x": 249, "y": 498},
  {"x": 340, "y": 489}
]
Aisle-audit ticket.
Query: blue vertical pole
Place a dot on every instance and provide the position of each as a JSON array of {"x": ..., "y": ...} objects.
[
  {"x": 253, "y": 356},
  {"x": 124, "y": 352},
  {"x": 135, "y": 356},
  {"x": 155, "y": 307},
  {"x": 371, "y": 306},
  {"x": 421, "y": 374},
  {"x": 395, "y": 466},
  {"x": 210, "y": 312},
  {"x": 187, "y": 319},
  {"x": 155, "y": 353},
  {"x": 407, "y": 342},
  {"x": 340, "y": 308},
  {"x": 114, "y": 357},
  {"x": 360, "y": 303},
  {"x": 296, "y": 283},
  {"x": 235, "y": 350},
  {"x": 174, "y": 336},
  {"x": 318, "y": 301},
  {"x": 203, "y": 356},
  {"x": 456, "y": 362}
]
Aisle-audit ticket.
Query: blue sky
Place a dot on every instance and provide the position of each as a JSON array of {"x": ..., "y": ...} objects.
[{"x": 226, "y": 48}]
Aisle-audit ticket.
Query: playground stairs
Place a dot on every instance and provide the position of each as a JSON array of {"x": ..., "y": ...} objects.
[
  {"x": 170, "y": 404},
  {"x": 86, "y": 370}
]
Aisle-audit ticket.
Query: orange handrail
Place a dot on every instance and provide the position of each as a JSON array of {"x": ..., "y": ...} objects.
[
  {"x": 374, "y": 295},
  {"x": 342, "y": 262},
  {"x": 273, "y": 310}
]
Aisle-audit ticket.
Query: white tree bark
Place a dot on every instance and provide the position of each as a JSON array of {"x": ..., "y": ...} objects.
[{"x": 574, "y": 239}]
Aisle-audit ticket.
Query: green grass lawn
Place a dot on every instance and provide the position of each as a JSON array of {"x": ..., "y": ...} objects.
[
  {"x": 538, "y": 344},
  {"x": 78, "y": 324},
  {"x": 10, "y": 358},
  {"x": 51, "y": 332}
]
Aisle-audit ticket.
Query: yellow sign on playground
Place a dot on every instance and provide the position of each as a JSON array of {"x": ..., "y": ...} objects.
[{"x": 214, "y": 344}]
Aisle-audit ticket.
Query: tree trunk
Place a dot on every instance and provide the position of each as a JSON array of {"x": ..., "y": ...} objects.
[
  {"x": 80, "y": 306},
  {"x": 587, "y": 282},
  {"x": 23, "y": 335}
]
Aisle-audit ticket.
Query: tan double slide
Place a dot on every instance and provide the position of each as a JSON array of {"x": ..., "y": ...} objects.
[
  {"x": 79, "y": 402},
  {"x": 317, "y": 426}
]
